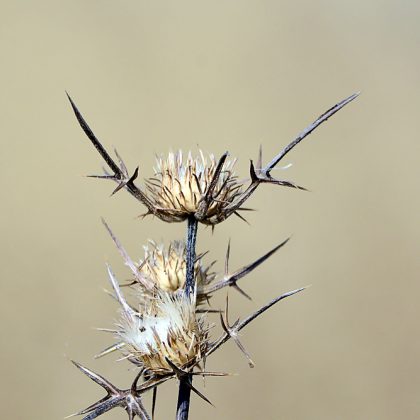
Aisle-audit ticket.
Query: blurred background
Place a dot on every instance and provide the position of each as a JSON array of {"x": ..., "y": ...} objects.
[{"x": 155, "y": 76}]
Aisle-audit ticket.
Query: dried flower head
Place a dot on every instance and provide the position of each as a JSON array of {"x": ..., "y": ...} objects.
[
  {"x": 179, "y": 186},
  {"x": 161, "y": 330},
  {"x": 166, "y": 266}
]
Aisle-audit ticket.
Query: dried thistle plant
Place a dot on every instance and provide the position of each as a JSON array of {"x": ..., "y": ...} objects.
[{"x": 164, "y": 320}]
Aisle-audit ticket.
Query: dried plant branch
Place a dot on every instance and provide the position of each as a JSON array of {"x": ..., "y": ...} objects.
[
  {"x": 263, "y": 175},
  {"x": 242, "y": 324},
  {"x": 119, "y": 174},
  {"x": 192, "y": 227},
  {"x": 185, "y": 381},
  {"x": 308, "y": 130},
  {"x": 128, "y": 399},
  {"x": 233, "y": 333},
  {"x": 231, "y": 279}
]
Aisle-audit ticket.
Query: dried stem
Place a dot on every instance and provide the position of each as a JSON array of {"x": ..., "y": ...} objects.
[
  {"x": 184, "y": 395},
  {"x": 185, "y": 382},
  {"x": 190, "y": 259}
]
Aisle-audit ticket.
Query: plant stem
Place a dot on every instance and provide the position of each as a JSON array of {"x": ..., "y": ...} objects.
[
  {"x": 184, "y": 392},
  {"x": 191, "y": 239}
]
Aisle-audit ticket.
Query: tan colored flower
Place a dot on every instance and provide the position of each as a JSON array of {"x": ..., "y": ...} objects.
[
  {"x": 166, "y": 267},
  {"x": 163, "y": 330},
  {"x": 180, "y": 187}
]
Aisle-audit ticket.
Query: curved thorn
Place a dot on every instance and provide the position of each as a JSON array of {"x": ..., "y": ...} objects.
[
  {"x": 135, "y": 382},
  {"x": 252, "y": 173}
]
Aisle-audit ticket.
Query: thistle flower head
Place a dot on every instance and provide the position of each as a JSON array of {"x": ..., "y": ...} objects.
[
  {"x": 193, "y": 186},
  {"x": 166, "y": 266},
  {"x": 161, "y": 331}
]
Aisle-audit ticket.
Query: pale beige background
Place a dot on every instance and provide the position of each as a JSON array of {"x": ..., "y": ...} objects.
[{"x": 151, "y": 76}]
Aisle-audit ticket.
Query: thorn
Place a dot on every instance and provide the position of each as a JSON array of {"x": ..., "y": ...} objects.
[
  {"x": 241, "y": 291},
  {"x": 109, "y": 350},
  {"x": 96, "y": 143},
  {"x": 259, "y": 161},
  {"x": 232, "y": 279},
  {"x": 227, "y": 259},
  {"x": 241, "y": 217},
  {"x": 242, "y": 324},
  {"x": 195, "y": 390},
  {"x": 129, "y": 399},
  {"x": 111, "y": 177},
  {"x": 154, "y": 402},
  {"x": 148, "y": 284},
  {"x": 100, "y": 380},
  {"x": 178, "y": 371},
  {"x": 200, "y": 256},
  {"x": 127, "y": 308},
  {"x": 308, "y": 130},
  {"x": 124, "y": 169},
  {"x": 254, "y": 177},
  {"x": 121, "y": 185},
  {"x": 208, "y": 196},
  {"x": 135, "y": 175},
  {"x": 233, "y": 332},
  {"x": 143, "y": 215},
  {"x": 136, "y": 379}
]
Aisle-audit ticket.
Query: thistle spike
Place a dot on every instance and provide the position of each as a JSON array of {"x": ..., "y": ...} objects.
[
  {"x": 127, "y": 260},
  {"x": 128, "y": 399},
  {"x": 263, "y": 175},
  {"x": 242, "y": 324},
  {"x": 224, "y": 320},
  {"x": 232, "y": 279}
]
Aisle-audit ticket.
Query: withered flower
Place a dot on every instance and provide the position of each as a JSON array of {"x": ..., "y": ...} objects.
[
  {"x": 166, "y": 266},
  {"x": 204, "y": 189},
  {"x": 161, "y": 328},
  {"x": 181, "y": 187}
]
